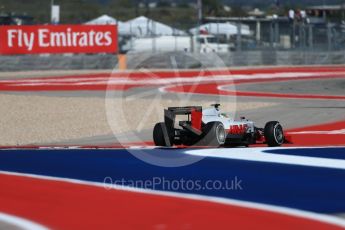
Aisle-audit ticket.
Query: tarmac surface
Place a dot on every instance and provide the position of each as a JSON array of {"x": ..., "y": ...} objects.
[
  {"x": 291, "y": 112},
  {"x": 316, "y": 86}
]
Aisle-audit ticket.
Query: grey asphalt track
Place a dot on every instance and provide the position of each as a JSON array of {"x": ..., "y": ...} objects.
[
  {"x": 315, "y": 86},
  {"x": 7, "y": 226},
  {"x": 292, "y": 113}
]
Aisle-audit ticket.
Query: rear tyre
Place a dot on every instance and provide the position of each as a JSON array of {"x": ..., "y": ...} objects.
[
  {"x": 274, "y": 134},
  {"x": 158, "y": 135},
  {"x": 214, "y": 134}
]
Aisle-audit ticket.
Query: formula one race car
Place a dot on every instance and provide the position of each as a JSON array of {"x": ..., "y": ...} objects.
[{"x": 210, "y": 127}]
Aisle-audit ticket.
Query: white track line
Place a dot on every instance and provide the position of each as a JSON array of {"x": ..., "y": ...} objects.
[
  {"x": 246, "y": 204},
  {"x": 328, "y": 132},
  {"x": 20, "y": 222},
  {"x": 257, "y": 154}
]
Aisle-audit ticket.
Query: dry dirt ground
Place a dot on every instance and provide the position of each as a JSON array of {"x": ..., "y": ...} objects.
[{"x": 34, "y": 119}]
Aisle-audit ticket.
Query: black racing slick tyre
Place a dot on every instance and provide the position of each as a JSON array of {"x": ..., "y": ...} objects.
[
  {"x": 158, "y": 135},
  {"x": 274, "y": 134},
  {"x": 214, "y": 134}
]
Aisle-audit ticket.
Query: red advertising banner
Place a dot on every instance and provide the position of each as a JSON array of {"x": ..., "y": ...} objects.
[{"x": 58, "y": 39}]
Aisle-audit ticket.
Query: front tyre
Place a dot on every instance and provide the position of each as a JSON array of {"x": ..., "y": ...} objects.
[{"x": 274, "y": 134}]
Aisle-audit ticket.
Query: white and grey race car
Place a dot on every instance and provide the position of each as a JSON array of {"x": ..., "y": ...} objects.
[{"x": 210, "y": 127}]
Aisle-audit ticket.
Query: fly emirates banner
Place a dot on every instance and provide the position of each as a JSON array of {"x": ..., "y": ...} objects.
[{"x": 58, "y": 39}]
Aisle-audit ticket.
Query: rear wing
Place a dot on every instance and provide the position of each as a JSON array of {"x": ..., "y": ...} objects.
[
  {"x": 184, "y": 110},
  {"x": 194, "y": 111}
]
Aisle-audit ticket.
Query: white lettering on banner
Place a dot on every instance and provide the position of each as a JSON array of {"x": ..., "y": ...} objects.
[
  {"x": 58, "y": 39},
  {"x": 42, "y": 35},
  {"x": 20, "y": 42},
  {"x": 69, "y": 39},
  {"x": 99, "y": 37},
  {"x": 108, "y": 38},
  {"x": 21, "y": 39},
  {"x": 75, "y": 36},
  {"x": 91, "y": 34},
  {"x": 46, "y": 38},
  {"x": 10, "y": 35},
  {"x": 83, "y": 39},
  {"x": 29, "y": 41}
]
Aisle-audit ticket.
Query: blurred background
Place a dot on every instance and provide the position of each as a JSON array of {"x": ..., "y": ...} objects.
[{"x": 241, "y": 33}]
